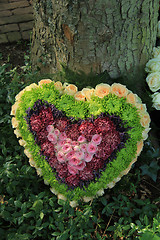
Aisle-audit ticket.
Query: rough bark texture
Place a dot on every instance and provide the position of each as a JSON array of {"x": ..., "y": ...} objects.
[{"x": 117, "y": 36}]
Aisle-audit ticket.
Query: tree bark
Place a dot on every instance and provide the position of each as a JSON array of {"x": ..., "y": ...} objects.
[{"x": 95, "y": 35}]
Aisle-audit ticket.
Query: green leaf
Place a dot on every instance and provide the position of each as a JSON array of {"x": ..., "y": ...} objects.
[
  {"x": 149, "y": 236},
  {"x": 64, "y": 236},
  {"x": 37, "y": 206}
]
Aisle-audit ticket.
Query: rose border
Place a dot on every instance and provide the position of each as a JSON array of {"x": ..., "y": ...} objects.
[{"x": 94, "y": 99}]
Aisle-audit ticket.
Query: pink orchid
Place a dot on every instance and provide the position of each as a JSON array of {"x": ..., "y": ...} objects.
[
  {"x": 76, "y": 148},
  {"x": 81, "y": 166},
  {"x": 66, "y": 147},
  {"x": 50, "y": 128},
  {"x": 81, "y": 139},
  {"x": 91, "y": 148},
  {"x": 74, "y": 161},
  {"x": 79, "y": 155},
  {"x": 61, "y": 157},
  {"x": 75, "y": 143},
  {"x": 83, "y": 147},
  {"x": 61, "y": 142},
  {"x": 70, "y": 154},
  {"x": 88, "y": 157},
  {"x": 52, "y": 138},
  {"x": 62, "y": 136},
  {"x": 56, "y": 132},
  {"x": 72, "y": 170},
  {"x": 68, "y": 140},
  {"x": 96, "y": 139}
]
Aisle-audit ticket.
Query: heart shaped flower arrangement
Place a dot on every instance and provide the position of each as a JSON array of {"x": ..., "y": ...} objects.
[{"x": 80, "y": 142}]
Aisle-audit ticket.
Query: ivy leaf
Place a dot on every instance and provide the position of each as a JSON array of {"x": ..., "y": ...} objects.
[{"x": 151, "y": 170}]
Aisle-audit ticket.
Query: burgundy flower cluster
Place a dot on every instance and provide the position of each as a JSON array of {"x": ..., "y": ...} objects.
[{"x": 77, "y": 150}]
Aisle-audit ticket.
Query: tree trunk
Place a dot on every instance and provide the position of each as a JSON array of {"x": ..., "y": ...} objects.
[{"x": 95, "y": 35}]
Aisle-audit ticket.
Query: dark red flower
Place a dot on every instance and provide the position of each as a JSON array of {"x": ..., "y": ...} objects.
[
  {"x": 36, "y": 123},
  {"x": 96, "y": 164},
  {"x": 73, "y": 180},
  {"x": 63, "y": 172},
  {"x": 103, "y": 125},
  {"x": 72, "y": 132},
  {"x": 42, "y": 136},
  {"x": 61, "y": 124},
  {"x": 46, "y": 116},
  {"x": 86, "y": 174},
  {"x": 53, "y": 162},
  {"x": 87, "y": 129},
  {"x": 48, "y": 148}
]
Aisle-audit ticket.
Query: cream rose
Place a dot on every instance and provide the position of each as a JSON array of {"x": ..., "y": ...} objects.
[
  {"x": 58, "y": 86},
  {"x": 22, "y": 142},
  {"x": 14, "y": 108},
  {"x": 54, "y": 191},
  {"x": 32, "y": 162},
  {"x": 62, "y": 197},
  {"x": 73, "y": 204},
  {"x": 132, "y": 98},
  {"x": 39, "y": 171},
  {"x": 119, "y": 90},
  {"x": 139, "y": 147},
  {"x": 87, "y": 199},
  {"x": 71, "y": 89},
  {"x": 153, "y": 81},
  {"x": 31, "y": 86},
  {"x": 156, "y": 100},
  {"x": 79, "y": 96},
  {"x": 88, "y": 92},
  {"x": 145, "y": 120},
  {"x": 14, "y": 122},
  {"x": 45, "y": 81},
  {"x": 156, "y": 52},
  {"x": 100, "y": 192},
  {"x": 27, "y": 153},
  {"x": 145, "y": 133},
  {"x": 153, "y": 65},
  {"x": 18, "y": 96},
  {"x": 17, "y": 133},
  {"x": 102, "y": 90},
  {"x": 158, "y": 29}
]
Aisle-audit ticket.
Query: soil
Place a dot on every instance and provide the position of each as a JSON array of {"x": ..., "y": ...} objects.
[{"x": 14, "y": 54}]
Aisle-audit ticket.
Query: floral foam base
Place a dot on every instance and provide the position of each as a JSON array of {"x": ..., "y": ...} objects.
[{"x": 80, "y": 142}]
